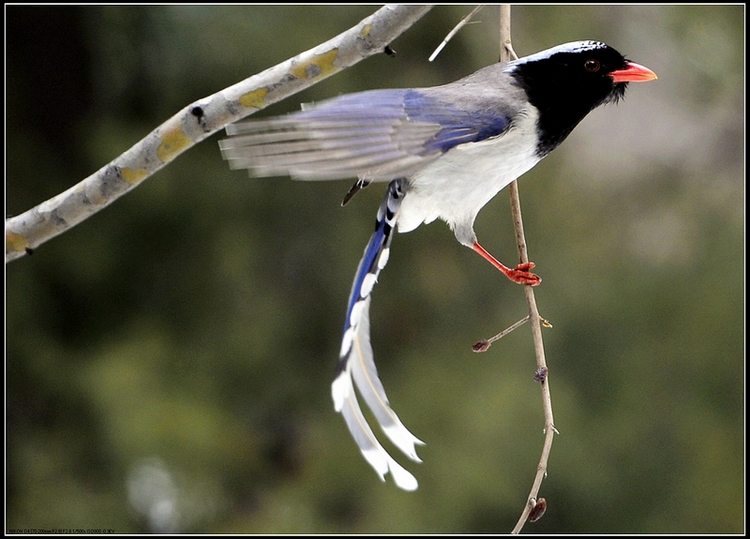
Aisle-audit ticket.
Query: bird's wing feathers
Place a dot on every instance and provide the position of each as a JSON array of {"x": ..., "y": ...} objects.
[
  {"x": 357, "y": 365},
  {"x": 376, "y": 136}
]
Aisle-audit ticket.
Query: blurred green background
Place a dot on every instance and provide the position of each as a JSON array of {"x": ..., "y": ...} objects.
[{"x": 169, "y": 360}]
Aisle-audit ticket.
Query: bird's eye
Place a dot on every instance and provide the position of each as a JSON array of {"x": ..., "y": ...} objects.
[{"x": 592, "y": 66}]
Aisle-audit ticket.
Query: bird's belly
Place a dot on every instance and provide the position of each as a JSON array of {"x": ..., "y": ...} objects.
[{"x": 455, "y": 187}]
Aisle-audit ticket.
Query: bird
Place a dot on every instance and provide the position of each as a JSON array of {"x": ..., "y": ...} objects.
[{"x": 444, "y": 152}]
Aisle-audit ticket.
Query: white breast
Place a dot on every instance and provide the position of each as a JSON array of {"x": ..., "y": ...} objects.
[{"x": 455, "y": 187}]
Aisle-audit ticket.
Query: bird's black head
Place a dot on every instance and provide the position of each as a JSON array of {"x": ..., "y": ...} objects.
[{"x": 567, "y": 82}]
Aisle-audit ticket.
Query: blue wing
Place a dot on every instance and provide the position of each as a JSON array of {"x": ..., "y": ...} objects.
[{"x": 378, "y": 135}]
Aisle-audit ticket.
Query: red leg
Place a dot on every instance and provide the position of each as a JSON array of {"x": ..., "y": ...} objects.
[{"x": 520, "y": 274}]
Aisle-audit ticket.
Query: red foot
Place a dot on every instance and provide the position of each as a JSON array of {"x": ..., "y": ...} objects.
[{"x": 521, "y": 274}]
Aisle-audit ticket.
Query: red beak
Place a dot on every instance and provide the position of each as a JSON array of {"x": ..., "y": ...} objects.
[{"x": 633, "y": 73}]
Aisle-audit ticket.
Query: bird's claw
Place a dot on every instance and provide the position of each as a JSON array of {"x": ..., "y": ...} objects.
[{"x": 521, "y": 274}]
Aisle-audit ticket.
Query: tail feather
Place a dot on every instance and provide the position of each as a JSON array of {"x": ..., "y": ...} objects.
[
  {"x": 372, "y": 451},
  {"x": 368, "y": 383},
  {"x": 357, "y": 364}
]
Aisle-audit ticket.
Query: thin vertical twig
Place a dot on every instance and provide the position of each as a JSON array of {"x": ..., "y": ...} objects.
[{"x": 506, "y": 52}]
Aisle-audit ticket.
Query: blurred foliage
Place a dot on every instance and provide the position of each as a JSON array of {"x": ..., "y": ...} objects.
[{"x": 168, "y": 361}]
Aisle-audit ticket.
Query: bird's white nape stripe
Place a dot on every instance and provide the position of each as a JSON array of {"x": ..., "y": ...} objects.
[
  {"x": 578, "y": 46},
  {"x": 572, "y": 47}
]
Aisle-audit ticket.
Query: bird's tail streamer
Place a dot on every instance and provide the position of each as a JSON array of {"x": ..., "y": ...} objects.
[{"x": 357, "y": 365}]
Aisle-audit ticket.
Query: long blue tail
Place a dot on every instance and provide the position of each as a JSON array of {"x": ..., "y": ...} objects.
[{"x": 356, "y": 362}]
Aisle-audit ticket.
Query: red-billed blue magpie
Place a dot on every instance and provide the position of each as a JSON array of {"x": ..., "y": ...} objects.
[{"x": 446, "y": 151}]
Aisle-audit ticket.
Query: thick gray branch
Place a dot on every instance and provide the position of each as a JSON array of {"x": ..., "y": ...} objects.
[{"x": 200, "y": 120}]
